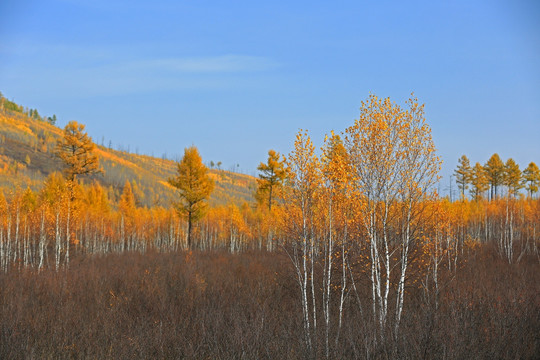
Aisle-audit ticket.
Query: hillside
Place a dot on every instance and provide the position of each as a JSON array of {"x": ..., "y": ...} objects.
[{"x": 27, "y": 143}]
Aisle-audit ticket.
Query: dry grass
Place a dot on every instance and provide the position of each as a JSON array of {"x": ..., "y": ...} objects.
[{"x": 220, "y": 306}]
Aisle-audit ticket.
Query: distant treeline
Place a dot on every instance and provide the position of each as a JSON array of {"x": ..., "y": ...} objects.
[
  {"x": 9, "y": 105},
  {"x": 495, "y": 176}
]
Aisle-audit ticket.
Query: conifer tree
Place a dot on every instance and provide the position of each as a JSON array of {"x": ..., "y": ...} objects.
[
  {"x": 495, "y": 174},
  {"x": 531, "y": 177},
  {"x": 194, "y": 186},
  {"x": 271, "y": 177},
  {"x": 127, "y": 200},
  {"x": 76, "y": 149},
  {"x": 463, "y": 174},
  {"x": 479, "y": 181},
  {"x": 512, "y": 177},
  {"x": 127, "y": 209}
]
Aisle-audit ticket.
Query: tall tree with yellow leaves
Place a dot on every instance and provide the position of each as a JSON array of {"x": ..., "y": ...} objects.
[
  {"x": 194, "y": 186},
  {"x": 494, "y": 174},
  {"x": 303, "y": 186},
  {"x": 336, "y": 206},
  {"x": 512, "y": 177},
  {"x": 76, "y": 149},
  {"x": 127, "y": 208},
  {"x": 463, "y": 174},
  {"x": 512, "y": 180},
  {"x": 54, "y": 195},
  {"x": 531, "y": 177},
  {"x": 394, "y": 165},
  {"x": 479, "y": 181},
  {"x": 271, "y": 177}
]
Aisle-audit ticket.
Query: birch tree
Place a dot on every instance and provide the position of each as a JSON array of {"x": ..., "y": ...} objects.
[
  {"x": 512, "y": 180},
  {"x": 54, "y": 196},
  {"x": 338, "y": 198},
  {"x": 394, "y": 164},
  {"x": 303, "y": 184}
]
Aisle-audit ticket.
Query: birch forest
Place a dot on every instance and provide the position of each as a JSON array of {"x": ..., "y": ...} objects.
[{"x": 343, "y": 249}]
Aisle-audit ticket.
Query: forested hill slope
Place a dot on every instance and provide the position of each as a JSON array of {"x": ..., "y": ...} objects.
[{"x": 28, "y": 140}]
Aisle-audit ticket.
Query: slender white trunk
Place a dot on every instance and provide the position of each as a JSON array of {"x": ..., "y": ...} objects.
[
  {"x": 307, "y": 327},
  {"x": 42, "y": 239},
  {"x": 17, "y": 247},
  {"x": 511, "y": 238},
  {"x": 57, "y": 239},
  {"x": 312, "y": 277},
  {"x": 343, "y": 283},
  {"x": 326, "y": 297},
  {"x": 404, "y": 263},
  {"x": 2, "y": 247},
  {"x": 8, "y": 245},
  {"x": 122, "y": 235},
  {"x": 26, "y": 243},
  {"x": 68, "y": 233},
  {"x": 387, "y": 260}
]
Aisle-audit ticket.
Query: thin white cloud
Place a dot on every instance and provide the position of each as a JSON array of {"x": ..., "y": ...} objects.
[
  {"x": 114, "y": 76},
  {"x": 125, "y": 57}
]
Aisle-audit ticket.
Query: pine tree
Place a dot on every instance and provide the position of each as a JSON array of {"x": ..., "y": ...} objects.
[
  {"x": 531, "y": 177},
  {"x": 52, "y": 120},
  {"x": 194, "y": 185},
  {"x": 512, "y": 177},
  {"x": 479, "y": 181},
  {"x": 495, "y": 174},
  {"x": 76, "y": 149},
  {"x": 271, "y": 178},
  {"x": 127, "y": 200},
  {"x": 463, "y": 174}
]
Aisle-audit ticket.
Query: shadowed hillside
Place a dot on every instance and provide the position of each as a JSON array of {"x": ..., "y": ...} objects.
[{"x": 27, "y": 143}]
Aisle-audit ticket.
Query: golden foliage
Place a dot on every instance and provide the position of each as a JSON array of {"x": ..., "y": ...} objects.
[{"x": 76, "y": 149}]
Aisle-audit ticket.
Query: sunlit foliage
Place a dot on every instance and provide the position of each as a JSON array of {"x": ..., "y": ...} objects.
[{"x": 194, "y": 187}]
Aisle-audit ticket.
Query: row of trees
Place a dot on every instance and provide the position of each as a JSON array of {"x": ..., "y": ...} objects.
[
  {"x": 362, "y": 208},
  {"x": 494, "y": 175},
  {"x": 357, "y": 211},
  {"x": 67, "y": 217},
  {"x": 46, "y": 229},
  {"x": 8, "y": 105}
]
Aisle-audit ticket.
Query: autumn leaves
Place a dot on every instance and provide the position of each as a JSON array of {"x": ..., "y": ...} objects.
[
  {"x": 364, "y": 196},
  {"x": 494, "y": 176},
  {"x": 194, "y": 185},
  {"x": 76, "y": 150}
]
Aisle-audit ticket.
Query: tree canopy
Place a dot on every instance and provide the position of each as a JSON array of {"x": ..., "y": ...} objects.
[
  {"x": 194, "y": 187},
  {"x": 512, "y": 177},
  {"x": 272, "y": 174},
  {"x": 479, "y": 181},
  {"x": 531, "y": 177},
  {"x": 494, "y": 174},
  {"x": 76, "y": 149},
  {"x": 463, "y": 174}
]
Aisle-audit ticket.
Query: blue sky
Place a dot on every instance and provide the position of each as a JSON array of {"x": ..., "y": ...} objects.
[{"x": 237, "y": 78}]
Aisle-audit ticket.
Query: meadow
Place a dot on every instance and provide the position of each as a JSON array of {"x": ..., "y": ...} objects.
[{"x": 192, "y": 304}]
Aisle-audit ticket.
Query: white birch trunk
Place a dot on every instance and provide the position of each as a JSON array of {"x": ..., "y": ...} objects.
[
  {"x": 58, "y": 243},
  {"x": 68, "y": 234},
  {"x": 42, "y": 239}
]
